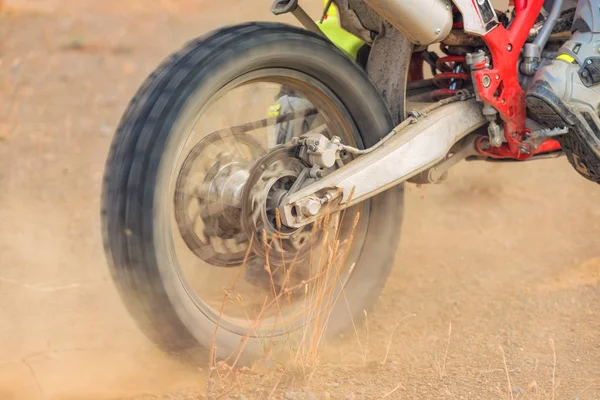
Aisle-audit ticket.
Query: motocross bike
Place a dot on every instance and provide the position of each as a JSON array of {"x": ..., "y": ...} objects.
[{"x": 262, "y": 159}]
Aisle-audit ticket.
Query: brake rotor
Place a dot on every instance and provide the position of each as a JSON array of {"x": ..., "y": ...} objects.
[
  {"x": 210, "y": 179},
  {"x": 271, "y": 178}
]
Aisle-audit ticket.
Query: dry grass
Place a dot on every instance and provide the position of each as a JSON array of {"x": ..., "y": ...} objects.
[
  {"x": 321, "y": 292},
  {"x": 534, "y": 389},
  {"x": 443, "y": 366},
  {"x": 510, "y": 391}
]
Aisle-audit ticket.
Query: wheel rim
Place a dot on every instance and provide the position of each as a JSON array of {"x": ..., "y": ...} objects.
[{"x": 209, "y": 286}]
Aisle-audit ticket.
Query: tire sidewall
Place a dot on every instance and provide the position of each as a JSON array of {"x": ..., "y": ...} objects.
[{"x": 278, "y": 47}]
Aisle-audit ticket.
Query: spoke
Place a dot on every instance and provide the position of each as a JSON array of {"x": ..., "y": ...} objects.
[
  {"x": 227, "y": 247},
  {"x": 213, "y": 210},
  {"x": 195, "y": 217}
]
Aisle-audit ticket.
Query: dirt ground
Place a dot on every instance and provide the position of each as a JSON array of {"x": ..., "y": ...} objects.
[{"x": 495, "y": 292}]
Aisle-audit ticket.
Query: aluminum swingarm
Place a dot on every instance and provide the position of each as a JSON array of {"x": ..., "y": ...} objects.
[{"x": 416, "y": 145}]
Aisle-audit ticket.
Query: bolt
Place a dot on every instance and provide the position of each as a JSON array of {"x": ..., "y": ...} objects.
[
  {"x": 588, "y": 62},
  {"x": 524, "y": 149},
  {"x": 447, "y": 6},
  {"x": 585, "y": 74},
  {"x": 514, "y": 134},
  {"x": 486, "y": 81},
  {"x": 438, "y": 31},
  {"x": 311, "y": 208},
  {"x": 327, "y": 197},
  {"x": 317, "y": 143},
  {"x": 497, "y": 77},
  {"x": 496, "y": 141},
  {"x": 509, "y": 47},
  {"x": 503, "y": 101}
]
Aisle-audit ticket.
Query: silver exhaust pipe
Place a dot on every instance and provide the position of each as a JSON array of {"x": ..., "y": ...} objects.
[{"x": 421, "y": 21}]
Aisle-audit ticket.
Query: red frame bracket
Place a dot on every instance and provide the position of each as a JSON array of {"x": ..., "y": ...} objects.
[{"x": 498, "y": 86}]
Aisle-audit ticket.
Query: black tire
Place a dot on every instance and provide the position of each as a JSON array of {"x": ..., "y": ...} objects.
[{"x": 140, "y": 150}]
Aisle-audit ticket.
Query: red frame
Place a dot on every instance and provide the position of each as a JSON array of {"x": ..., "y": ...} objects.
[{"x": 504, "y": 92}]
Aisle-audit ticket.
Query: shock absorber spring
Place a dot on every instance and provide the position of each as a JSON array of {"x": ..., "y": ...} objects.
[{"x": 452, "y": 74}]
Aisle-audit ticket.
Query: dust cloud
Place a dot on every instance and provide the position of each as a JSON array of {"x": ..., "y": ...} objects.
[{"x": 497, "y": 273}]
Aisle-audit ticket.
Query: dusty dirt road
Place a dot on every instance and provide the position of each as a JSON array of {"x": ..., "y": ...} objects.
[{"x": 497, "y": 279}]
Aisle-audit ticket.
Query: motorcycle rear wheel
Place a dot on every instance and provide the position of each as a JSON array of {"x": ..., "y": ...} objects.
[{"x": 147, "y": 154}]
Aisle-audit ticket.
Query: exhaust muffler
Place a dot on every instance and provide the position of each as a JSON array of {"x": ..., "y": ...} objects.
[{"x": 421, "y": 21}]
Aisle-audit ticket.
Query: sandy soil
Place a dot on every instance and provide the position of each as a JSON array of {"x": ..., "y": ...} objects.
[{"x": 497, "y": 279}]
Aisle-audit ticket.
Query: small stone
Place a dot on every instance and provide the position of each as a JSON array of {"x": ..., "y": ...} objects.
[
  {"x": 241, "y": 397},
  {"x": 106, "y": 129},
  {"x": 308, "y": 395},
  {"x": 364, "y": 390},
  {"x": 291, "y": 395},
  {"x": 518, "y": 391},
  {"x": 326, "y": 396}
]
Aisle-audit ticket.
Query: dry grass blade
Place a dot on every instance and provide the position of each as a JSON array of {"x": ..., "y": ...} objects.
[
  {"x": 553, "y": 369},
  {"x": 443, "y": 371},
  {"x": 212, "y": 354},
  {"x": 354, "y": 328},
  {"x": 350, "y": 196},
  {"x": 368, "y": 335},
  {"x": 392, "y": 391},
  {"x": 276, "y": 384},
  {"x": 389, "y": 343},
  {"x": 507, "y": 375}
]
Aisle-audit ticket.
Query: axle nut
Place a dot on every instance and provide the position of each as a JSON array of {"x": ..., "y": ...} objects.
[{"x": 310, "y": 208}]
